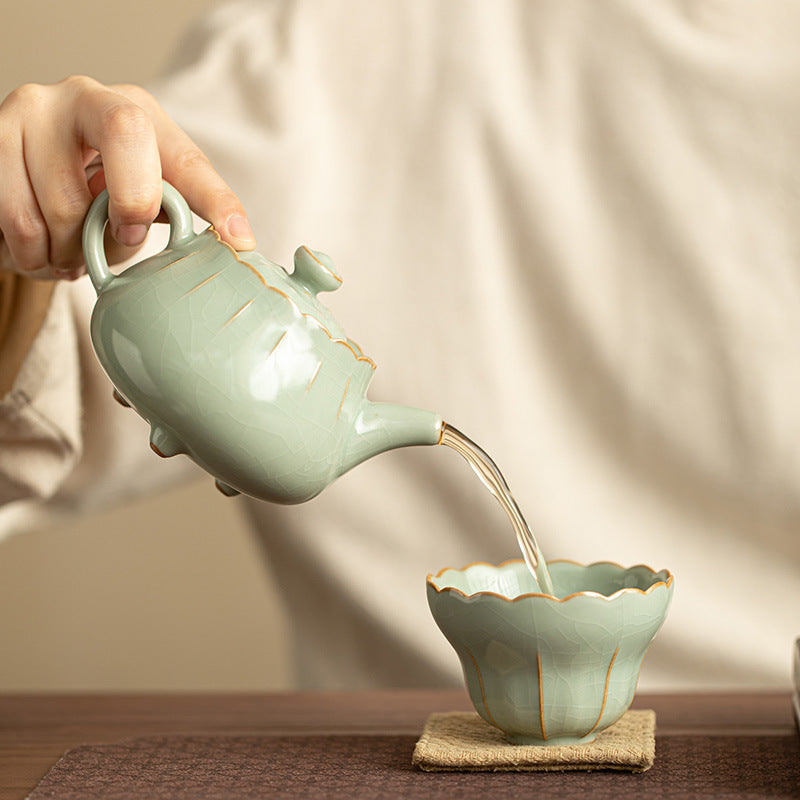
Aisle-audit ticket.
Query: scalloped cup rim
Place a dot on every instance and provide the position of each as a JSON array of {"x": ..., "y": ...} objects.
[{"x": 431, "y": 578}]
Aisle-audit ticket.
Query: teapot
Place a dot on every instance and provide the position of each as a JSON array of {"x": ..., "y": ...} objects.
[{"x": 237, "y": 364}]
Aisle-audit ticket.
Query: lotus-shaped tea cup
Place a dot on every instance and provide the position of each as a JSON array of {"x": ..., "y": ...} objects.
[{"x": 550, "y": 669}]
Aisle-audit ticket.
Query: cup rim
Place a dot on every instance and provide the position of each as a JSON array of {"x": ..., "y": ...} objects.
[{"x": 429, "y": 580}]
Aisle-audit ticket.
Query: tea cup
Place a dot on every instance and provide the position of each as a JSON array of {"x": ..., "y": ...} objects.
[{"x": 550, "y": 669}]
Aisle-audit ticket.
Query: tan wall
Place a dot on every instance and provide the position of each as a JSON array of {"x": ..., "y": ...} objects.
[
  {"x": 43, "y": 41},
  {"x": 164, "y": 594}
]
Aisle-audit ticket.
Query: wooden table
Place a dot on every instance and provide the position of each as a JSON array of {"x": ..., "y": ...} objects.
[{"x": 35, "y": 730}]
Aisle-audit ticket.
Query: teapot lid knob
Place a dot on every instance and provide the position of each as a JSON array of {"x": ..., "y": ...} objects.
[{"x": 315, "y": 271}]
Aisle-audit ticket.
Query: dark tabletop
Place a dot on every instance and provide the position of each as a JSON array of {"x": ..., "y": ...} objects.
[{"x": 359, "y": 745}]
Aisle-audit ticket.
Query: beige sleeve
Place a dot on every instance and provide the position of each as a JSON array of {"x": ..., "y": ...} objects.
[
  {"x": 23, "y": 308},
  {"x": 40, "y": 439}
]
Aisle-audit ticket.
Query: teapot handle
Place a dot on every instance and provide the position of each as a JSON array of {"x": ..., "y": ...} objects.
[{"x": 181, "y": 232}]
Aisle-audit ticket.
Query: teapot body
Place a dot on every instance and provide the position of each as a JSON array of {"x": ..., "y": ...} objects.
[{"x": 235, "y": 363}]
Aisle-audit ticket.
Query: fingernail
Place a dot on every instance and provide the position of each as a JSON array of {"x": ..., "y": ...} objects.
[
  {"x": 239, "y": 228},
  {"x": 131, "y": 235}
]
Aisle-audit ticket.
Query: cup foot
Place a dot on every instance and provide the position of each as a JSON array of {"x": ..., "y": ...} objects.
[{"x": 552, "y": 741}]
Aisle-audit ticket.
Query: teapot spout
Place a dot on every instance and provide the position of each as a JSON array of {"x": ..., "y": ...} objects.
[{"x": 384, "y": 426}]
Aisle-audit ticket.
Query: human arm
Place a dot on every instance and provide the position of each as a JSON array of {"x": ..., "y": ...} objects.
[{"x": 59, "y": 146}]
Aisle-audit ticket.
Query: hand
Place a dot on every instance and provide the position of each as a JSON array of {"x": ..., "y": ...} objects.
[{"x": 60, "y": 145}]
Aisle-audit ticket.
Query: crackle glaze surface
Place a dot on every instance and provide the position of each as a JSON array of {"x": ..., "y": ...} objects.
[
  {"x": 237, "y": 364},
  {"x": 550, "y": 669}
]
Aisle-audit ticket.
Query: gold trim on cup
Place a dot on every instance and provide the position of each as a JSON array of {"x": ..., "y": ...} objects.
[
  {"x": 588, "y": 593},
  {"x": 483, "y": 693}
]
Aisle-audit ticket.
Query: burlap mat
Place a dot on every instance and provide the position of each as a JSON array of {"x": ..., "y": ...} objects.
[{"x": 462, "y": 741}]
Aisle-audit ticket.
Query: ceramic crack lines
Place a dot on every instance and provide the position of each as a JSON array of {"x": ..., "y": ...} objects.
[{"x": 240, "y": 362}]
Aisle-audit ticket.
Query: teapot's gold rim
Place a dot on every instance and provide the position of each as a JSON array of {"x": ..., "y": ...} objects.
[
  {"x": 332, "y": 274},
  {"x": 352, "y": 346},
  {"x": 431, "y": 577}
]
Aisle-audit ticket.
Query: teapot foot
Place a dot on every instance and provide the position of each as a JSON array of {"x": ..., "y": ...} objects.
[
  {"x": 228, "y": 491},
  {"x": 164, "y": 443},
  {"x": 120, "y": 399}
]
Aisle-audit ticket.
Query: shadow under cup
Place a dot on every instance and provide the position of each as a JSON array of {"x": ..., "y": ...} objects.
[{"x": 550, "y": 670}]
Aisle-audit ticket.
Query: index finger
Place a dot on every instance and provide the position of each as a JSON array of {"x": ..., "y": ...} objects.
[
  {"x": 124, "y": 135},
  {"x": 189, "y": 170}
]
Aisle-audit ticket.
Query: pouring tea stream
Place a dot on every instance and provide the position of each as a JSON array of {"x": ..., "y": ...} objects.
[{"x": 237, "y": 364}]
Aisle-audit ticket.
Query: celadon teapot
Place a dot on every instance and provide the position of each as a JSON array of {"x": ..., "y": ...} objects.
[{"x": 237, "y": 364}]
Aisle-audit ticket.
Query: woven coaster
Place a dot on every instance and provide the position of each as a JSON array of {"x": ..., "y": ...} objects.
[{"x": 462, "y": 741}]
